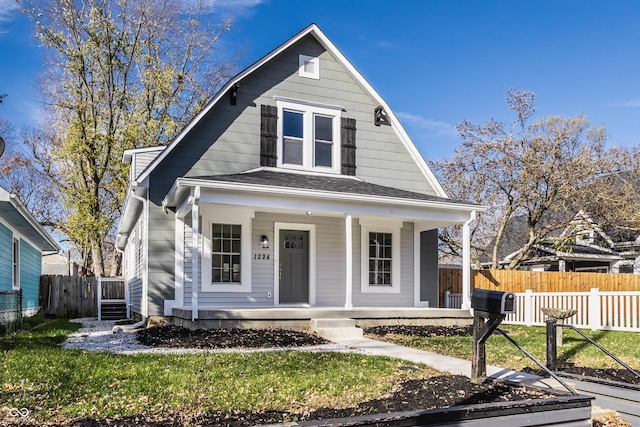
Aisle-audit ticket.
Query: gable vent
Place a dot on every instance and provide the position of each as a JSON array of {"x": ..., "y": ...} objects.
[{"x": 309, "y": 67}]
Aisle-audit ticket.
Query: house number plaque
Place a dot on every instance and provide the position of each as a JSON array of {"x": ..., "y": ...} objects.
[{"x": 261, "y": 256}]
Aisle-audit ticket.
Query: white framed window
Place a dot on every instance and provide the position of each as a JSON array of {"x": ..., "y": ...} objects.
[
  {"x": 16, "y": 264},
  {"x": 308, "y": 136},
  {"x": 226, "y": 261},
  {"x": 309, "y": 67},
  {"x": 380, "y": 257}
]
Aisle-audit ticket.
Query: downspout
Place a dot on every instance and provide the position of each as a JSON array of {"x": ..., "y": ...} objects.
[
  {"x": 144, "y": 306},
  {"x": 466, "y": 262}
]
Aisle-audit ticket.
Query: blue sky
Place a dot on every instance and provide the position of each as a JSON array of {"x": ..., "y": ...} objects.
[{"x": 436, "y": 62}]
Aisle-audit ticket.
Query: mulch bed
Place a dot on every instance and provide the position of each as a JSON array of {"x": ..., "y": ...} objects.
[{"x": 170, "y": 336}]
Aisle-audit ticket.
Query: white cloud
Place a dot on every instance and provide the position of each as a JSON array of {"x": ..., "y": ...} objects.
[
  {"x": 233, "y": 7},
  {"x": 634, "y": 103},
  {"x": 8, "y": 9},
  {"x": 435, "y": 127}
]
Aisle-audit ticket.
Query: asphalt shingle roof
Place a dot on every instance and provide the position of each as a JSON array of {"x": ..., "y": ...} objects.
[{"x": 324, "y": 183}]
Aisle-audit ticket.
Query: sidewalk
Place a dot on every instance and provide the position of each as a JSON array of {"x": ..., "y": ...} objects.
[{"x": 442, "y": 363}]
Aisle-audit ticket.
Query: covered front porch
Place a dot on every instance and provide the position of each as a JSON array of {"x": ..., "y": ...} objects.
[
  {"x": 299, "y": 318},
  {"x": 303, "y": 247}
]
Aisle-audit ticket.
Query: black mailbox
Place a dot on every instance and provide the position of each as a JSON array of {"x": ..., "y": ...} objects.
[{"x": 493, "y": 302}]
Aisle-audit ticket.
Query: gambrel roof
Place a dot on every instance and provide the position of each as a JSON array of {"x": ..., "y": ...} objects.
[{"x": 311, "y": 30}]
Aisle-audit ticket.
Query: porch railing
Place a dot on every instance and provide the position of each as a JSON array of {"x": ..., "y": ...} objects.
[
  {"x": 113, "y": 298},
  {"x": 596, "y": 310}
]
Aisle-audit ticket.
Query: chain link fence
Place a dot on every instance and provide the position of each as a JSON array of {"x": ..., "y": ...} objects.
[{"x": 10, "y": 311}]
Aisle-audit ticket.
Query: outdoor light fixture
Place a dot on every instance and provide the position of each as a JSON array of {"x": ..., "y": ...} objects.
[
  {"x": 264, "y": 242},
  {"x": 233, "y": 94}
]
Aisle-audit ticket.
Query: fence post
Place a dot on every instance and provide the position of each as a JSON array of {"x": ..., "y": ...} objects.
[
  {"x": 99, "y": 299},
  {"x": 528, "y": 307},
  {"x": 594, "y": 309},
  {"x": 447, "y": 300}
]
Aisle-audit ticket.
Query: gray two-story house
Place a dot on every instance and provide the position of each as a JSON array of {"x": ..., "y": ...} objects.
[{"x": 297, "y": 188}]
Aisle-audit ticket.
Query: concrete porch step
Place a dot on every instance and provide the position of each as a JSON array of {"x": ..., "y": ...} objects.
[{"x": 336, "y": 328}]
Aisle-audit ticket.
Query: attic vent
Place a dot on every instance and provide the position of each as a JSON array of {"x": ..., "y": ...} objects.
[{"x": 309, "y": 67}]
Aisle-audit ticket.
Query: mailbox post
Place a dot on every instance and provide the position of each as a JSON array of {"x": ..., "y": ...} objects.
[{"x": 489, "y": 310}]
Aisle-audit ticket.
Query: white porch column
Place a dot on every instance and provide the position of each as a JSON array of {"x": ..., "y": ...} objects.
[
  {"x": 195, "y": 227},
  {"x": 349, "y": 262},
  {"x": 466, "y": 262}
]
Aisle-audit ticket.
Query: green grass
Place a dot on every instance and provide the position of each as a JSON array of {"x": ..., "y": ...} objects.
[
  {"x": 500, "y": 352},
  {"x": 57, "y": 384}
]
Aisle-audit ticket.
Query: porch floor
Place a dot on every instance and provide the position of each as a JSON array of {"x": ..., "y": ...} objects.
[{"x": 300, "y": 317}]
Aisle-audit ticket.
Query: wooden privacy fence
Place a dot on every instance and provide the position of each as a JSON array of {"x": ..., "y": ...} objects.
[
  {"x": 545, "y": 281},
  {"x": 450, "y": 279},
  {"x": 69, "y": 296}
]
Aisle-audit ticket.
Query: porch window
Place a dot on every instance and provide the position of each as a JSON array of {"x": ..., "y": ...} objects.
[
  {"x": 308, "y": 135},
  {"x": 226, "y": 248},
  {"x": 380, "y": 256},
  {"x": 380, "y": 259},
  {"x": 226, "y": 252}
]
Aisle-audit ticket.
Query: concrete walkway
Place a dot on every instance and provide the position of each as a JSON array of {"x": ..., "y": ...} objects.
[{"x": 442, "y": 363}]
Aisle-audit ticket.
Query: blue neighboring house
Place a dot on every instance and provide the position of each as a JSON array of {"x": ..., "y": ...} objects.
[{"x": 23, "y": 242}]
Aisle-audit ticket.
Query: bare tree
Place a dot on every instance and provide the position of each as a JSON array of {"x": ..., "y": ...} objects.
[
  {"x": 122, "y": 74},
  {"x": 533, "y": 176}
]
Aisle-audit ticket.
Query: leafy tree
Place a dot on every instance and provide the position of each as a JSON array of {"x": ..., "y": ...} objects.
[
  {"x": 534, "y": 177},
  {"x": 121, "y": 74}
]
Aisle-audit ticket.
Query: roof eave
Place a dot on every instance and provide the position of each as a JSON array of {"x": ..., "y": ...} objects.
[
  {"x": 174, "y": 196},
  {"x": 13, "y": 200}
]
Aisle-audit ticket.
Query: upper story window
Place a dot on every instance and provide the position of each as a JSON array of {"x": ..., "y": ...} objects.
[{"x": 309, "y": 136}]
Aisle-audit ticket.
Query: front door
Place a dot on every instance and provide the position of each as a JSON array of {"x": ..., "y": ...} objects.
[{"x": 294, "y": 266}]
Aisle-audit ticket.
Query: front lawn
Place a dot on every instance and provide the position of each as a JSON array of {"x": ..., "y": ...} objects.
[
  {"x": 500, "y": 352},
  {"x": 55, "y": 384}
]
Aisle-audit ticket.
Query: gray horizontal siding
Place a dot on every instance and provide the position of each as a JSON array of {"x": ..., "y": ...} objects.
[
  {"x": 161, "y": 259},
  {"x": 227, "y": 139},
  {"x": 405, "y": 297},
  {"x": 330, "y": 267}
]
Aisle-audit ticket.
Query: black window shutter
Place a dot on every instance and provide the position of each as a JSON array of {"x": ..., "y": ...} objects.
[
  {"x": 348, "y": 141},
  {"x": 268, "y": 135}
]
